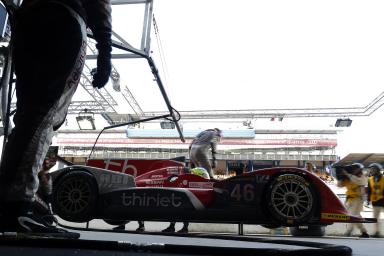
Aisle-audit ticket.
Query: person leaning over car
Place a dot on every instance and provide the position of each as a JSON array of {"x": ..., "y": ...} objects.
[
  {"x": 375, "y": 193},
  {"x": 199, "y": 149},
  {"x": 354, "y": 181}
]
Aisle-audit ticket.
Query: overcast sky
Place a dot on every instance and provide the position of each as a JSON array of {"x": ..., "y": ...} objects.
[{"x": 250, "y": 54}]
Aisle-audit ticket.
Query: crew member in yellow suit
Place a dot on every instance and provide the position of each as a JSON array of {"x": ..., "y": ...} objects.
[
  {"x": 355, "y": 182},
  {"x": 376, "y": 193}
]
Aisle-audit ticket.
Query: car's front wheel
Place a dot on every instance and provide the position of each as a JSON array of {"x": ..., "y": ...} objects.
[{"x": 74, "y": 196}]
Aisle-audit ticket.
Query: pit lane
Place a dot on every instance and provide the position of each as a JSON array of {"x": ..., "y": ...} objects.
[
  {"x": 125, "y": 242},
  {"x": 98, "y": 238},
  {"x": 258, "y": 239}
]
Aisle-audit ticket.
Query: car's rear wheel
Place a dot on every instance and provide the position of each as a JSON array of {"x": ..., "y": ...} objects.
[
  {"x": 291, "y": 200},
  {"x": 74, "y": 196}
]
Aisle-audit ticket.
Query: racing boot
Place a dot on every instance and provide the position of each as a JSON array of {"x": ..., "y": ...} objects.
[
  {"x": 120, "y": 227},
  {"x": 364, "y": 235},
  {"x": 141, "y": 227},
  {"x": 20, "y": 218},
  {"x": 170, "y": 228},
  {"x": 184, "y": 229}
]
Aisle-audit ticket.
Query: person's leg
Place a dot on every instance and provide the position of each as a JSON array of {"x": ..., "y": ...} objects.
[
  {"x": 200, "y": 155},
  {"x": 192, "y": 158},
  {"x": 184, "y": 229},
  {"x": 356, "y": 208},
  {"x": 42, "y": 69},
  {"x": 348, "y": 206},
  {"x": 170, "y": 228},
  {"x": 141, "y": 226},
  {"x": 379, "y": 222},
  {"x": 376, "y": 214}
]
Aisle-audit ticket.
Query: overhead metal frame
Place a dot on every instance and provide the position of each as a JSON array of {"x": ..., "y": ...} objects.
[
  {"x": 102, "y": 96},
  {"x": 144, "y": 50},
  {"x": 104, "y": 102},
  {"x": 367, "y": 110}
]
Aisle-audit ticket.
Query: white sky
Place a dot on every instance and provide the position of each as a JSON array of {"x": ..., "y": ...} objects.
[{"x": 250, "y": 54}]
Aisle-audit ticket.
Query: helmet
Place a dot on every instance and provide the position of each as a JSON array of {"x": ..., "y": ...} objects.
[
  {"x": 218, "y": 132},
  {"x": 200, "y": 171},
  {"x": 375, "y": 169},
  {"x": 376, "y": 166},
  {"x": 355, "y": 168}
]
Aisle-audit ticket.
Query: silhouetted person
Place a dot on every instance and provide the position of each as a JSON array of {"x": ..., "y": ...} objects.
[
  {"x": 354, "y": 181},
  {"x": 49, "y": 51}
]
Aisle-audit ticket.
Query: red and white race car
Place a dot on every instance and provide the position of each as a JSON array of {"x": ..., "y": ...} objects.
[{"x": 272, "y": 197}]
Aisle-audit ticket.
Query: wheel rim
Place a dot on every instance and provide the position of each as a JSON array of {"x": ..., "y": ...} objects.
[
  {"x": 291, "y": 199},
  {"x": 74, "y": 195}
]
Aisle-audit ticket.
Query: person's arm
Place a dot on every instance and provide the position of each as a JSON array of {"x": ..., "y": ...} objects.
[
  {"x": 213, "y": 147},
  {"x": 213, "y": 142},
  {"x": 361, "y": 181},
  {"x": 100, "y": 22}
]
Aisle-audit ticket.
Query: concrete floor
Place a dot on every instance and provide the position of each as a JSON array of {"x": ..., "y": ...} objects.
[{"x": 359, "y": 246}]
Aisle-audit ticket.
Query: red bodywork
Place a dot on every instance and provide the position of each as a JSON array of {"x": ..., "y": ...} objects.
[
  {"x": 134, "y": 167},
  {"x": 331, "y": 208},
  {"x": 176, "y": 177}
]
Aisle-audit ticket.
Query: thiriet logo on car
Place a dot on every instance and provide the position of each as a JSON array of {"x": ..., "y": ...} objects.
[{"x": 153, "y": 200}]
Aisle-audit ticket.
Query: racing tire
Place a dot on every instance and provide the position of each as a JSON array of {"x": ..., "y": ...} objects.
[
  {"x": 290, "y": 200},
  {"x": 74, "y": 196},
  {"x": 310, "y": 230}
]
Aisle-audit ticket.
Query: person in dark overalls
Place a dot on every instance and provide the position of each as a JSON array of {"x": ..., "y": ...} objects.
[{"x": 49, "y": 50}]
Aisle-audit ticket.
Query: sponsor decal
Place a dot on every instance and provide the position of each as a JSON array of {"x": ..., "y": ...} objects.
[
  {"x": 292, "y": 177},
  {"x": 262, "y": 178},
  {"x": 334, "y": 216},
  {"x": 172, "y": 170},
  {"x": 287, "y": 176},
  {"x": 156, "y": 176},
  {"x": 155, "y": 183},
  {"x": 113, "y": 179},
  {"x": 134, "y": 167},
  {"x": 151, "y": 200},
  {"x": 205, "y": 185},
  {"x": 77, "y": 71}
]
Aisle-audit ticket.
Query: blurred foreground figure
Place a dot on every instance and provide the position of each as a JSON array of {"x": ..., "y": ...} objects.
[
  {"x": 376, "y": 193},
  {"x": 353, "y": 179},
  {"x": 49, "y": 50}
]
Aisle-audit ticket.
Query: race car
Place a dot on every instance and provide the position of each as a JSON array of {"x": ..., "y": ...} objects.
[{"x": 273, "y": 197}]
